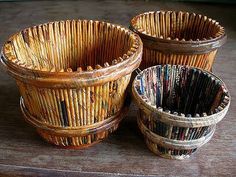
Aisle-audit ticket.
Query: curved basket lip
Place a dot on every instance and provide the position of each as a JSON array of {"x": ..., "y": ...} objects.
[
  {"x": 215, "y": 42},
  {"x": 179, "y": 120},
  {"x": 132, "y": 59}
]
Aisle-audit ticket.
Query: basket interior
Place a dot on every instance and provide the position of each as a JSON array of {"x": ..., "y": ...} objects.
[
  {"x": 182, "y": 90},
  {"x": 75, "y": 44},
  {"x": 177, "y": 25}
]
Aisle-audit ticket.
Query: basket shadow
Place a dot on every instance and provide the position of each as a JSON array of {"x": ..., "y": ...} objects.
[{"x": 129, "y": 138}]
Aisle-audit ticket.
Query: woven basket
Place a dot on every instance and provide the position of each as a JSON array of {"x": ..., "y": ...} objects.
[
  {"x": 179, "y": 38},
  {"x": 179, "y": 107},
  {"x": 72, "y": 76}
]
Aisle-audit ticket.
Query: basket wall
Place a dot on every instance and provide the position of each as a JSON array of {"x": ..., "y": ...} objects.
[
  {"x": 74, "y": 107},
  {"x": 155, "y": 57},
  {"x": 172, "y": 133}
]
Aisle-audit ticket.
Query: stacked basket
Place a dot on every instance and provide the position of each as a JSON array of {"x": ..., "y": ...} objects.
[
  {"x": 178, "y": 108},
  {"x": 72, "y": 76},
  {"x": 179, "y": 38}
]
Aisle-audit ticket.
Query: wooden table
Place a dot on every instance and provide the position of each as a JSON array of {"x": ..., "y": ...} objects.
[{"x": 22, "y": 152}]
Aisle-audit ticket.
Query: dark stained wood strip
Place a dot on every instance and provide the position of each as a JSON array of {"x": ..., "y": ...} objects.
[{"x": 64, "y": 113}]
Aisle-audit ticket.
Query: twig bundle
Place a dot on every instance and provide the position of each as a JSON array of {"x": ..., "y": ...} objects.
[
  {"x": 72, "y": 76},
  {"x": 179, "y": 108},
  {"x": 182, "y": 38}
]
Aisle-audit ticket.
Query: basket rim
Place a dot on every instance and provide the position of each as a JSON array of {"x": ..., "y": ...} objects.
[
  {"x": 150, "y": 41},
  {"x": 177, "y": 119},
  {"x": 132, "y": 60}
]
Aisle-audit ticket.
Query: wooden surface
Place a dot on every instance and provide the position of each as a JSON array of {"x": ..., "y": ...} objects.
[{"x": 23, "y": 153}]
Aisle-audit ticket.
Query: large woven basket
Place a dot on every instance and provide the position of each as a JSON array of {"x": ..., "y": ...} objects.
[
  {"x": 179, "y": 38},
  {"x": 72, "y": 76},
  {"x": 179, "y": 107}
]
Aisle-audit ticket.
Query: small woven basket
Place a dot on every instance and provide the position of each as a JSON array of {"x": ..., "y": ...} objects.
[
  {"x": 179, "y": 107},
  {"x": 72, "y": 76},
  {"x": 179, "y": 38}
]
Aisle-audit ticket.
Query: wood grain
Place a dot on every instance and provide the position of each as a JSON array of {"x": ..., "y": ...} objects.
[{"x": 23, "y": 153}]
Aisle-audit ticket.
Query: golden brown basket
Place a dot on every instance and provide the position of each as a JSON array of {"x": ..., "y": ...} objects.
[
  {"x": 72, "y": 76},
  {"x": 180, "y": 38},
  {"x": 179, "y": 107}
]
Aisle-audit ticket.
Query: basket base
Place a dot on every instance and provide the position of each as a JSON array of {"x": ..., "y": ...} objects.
[
  {"x": 77, "y": 147},
  {"x": 154, "y": 148},
  {"x": 60, "y": 142},
  {"x": 76, "y": 139},
  {"x": 172, "y": 148},
  {"x": 77, "y": 142}
]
